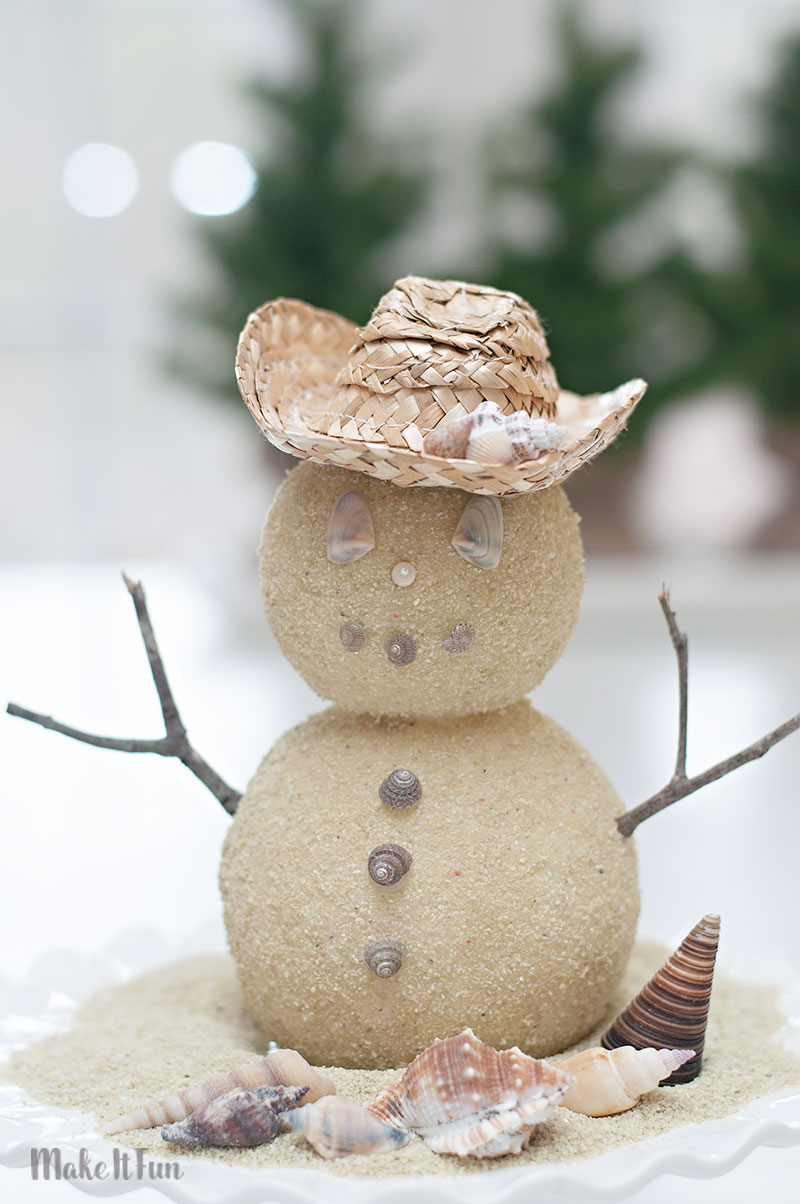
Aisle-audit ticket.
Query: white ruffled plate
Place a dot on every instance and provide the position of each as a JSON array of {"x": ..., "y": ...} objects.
[{"x": 44, "y": 1002}]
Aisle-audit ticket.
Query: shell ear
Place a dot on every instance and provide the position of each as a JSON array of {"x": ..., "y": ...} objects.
[
  {"x": 350, "y": 531},
  {"x": 479, "y": 534}
]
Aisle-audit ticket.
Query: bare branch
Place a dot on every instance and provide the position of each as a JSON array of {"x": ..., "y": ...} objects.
[
  {"x": 175, "y": 743},
  {"x": 172, "y": 720},
  {"x": 679, "y": 786},
  {"x": 681, "y": 646},
  {"x": 162, "y": 746}
]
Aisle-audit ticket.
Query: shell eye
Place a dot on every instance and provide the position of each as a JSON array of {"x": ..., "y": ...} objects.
[
  {"x": 479, "y": 534},
  {"x": 350, "y": 531}
]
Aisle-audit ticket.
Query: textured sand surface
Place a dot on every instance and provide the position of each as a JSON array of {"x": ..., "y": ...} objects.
[
  {"x": 517, "y": 915},
  {"x": 187, "y": 1021},
  {"x": 522, "y": 612}
]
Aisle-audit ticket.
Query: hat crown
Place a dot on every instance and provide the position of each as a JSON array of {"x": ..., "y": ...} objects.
[
  {"x": 457, "y": 314},
  {"x": 434, "y": 350}
]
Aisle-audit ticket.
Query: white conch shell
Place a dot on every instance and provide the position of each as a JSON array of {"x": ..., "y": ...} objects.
[
  {"x": 479, "y": 534},
  {"x": 488, "y": 436},
  {"x": 467, "y": 1099},
  {"x": 281, "y": 1068},
  {"x": 350, "y": 531},
  {"x": 614, "y": 1080},
  {"x": 531, "y": 437},
  {"x": 336, "y": 1126}
]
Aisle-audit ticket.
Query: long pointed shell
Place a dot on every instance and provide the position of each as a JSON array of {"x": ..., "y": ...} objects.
[
  {"x": 468, "y": 1099},
  {"x": 336, "y": 1127},
  {"x": 350, "y": 531},
  {"x": 672, "y": 1009},
  {"x": 614, "y": 1080},
  {"x": 479, "y": 534},
  {"x": 239, "y": 1118},
  {"x": 281, "y": 1068}
]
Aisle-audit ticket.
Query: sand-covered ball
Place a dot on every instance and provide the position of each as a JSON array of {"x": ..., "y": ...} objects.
[
  {"x": 516, "y": 916},
  {"x": 412, "y": 628}
]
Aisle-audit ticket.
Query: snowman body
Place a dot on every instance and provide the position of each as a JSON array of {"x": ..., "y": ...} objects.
[{"x": 516, "y": 907}]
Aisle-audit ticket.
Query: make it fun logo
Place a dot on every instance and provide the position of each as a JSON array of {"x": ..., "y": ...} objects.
[{"x": 49, "y": 1163}]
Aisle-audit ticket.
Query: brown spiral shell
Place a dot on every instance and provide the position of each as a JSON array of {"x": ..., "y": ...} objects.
[
  {"x": 352, "y": 635},
  {"x": 460, "y": 638},
  {"x": 388, "y": 864},
  {"x": 402, "y": 788},
  {"x": 384, "y": 956},
  {"x": 672, "y": 1009},
  {"x": 400, "y": 649}
]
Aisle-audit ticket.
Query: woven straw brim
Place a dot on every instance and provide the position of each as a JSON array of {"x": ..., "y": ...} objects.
[{"x": 288, "y": 360}]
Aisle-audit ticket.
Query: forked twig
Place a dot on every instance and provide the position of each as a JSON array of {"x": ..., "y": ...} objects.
[
  {"x": 175, "y": 742},
  {"x": 679, "y": 784}
]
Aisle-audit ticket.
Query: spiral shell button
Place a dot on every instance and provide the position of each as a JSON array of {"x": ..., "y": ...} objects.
[{"x": 402, "y": 788}]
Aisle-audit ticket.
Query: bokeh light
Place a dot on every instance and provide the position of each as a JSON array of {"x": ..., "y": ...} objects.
[
  {"x": 100, "y": 180},
  {"x": 213, "y": 178}
]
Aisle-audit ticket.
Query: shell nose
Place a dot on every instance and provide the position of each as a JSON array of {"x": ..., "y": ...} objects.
[{"x": 400, "y": 649}]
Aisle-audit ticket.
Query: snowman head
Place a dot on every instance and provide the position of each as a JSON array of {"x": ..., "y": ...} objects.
[
  {"x": 394, "y": 601},
  {"x": 429, "y": 429}
]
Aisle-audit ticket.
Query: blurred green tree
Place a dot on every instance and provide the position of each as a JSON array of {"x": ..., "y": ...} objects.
[
  {"x": 752, "y": 308},
  {"x": 576, "y": 213},
  {"x": 329, "y": 199}
]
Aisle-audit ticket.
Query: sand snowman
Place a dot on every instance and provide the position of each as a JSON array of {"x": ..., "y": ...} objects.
[{"x": 429, "y": 852}]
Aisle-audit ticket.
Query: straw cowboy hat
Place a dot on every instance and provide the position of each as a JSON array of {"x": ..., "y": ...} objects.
[{"x": 447, "y": 384}]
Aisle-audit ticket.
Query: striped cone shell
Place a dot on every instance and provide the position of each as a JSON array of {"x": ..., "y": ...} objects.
[{"x": 672, "y": 1009}]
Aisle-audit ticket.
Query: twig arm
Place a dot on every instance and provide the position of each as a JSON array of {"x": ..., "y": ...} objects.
[
  {"x": 679, "y": 786},
  {"x": 175, "y": 742},
  {"x": 681, "y": 646},
  {"x": 172, "y": 720},
  {"x": 161, "y": 746},
  {"x": 672, "y": 792}
]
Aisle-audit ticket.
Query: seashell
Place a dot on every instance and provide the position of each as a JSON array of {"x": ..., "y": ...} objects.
[
  {"x": 241, "y": 1117},
  {"x": 350, "y": 531},
  {"x": 672, "y": 1009},
  {"x": 281, "y": 1068},
  {"x": 465, "y": 1098},
  {"x": 488, "y": 441},
  {"x": 388, "y": 864},
  {"x": 614, "y": 1080},
  {"x": 488, "y": 413},
  {"x": 460, "y": 638},
  {"x": 336, "y": 1127},
  {"x": 402, "y": 788},
  {"x": 384, "y": 956},
  {"x": 404, "y": 573},
  {"x": 400, "y": 649},
  {"x": 449, "y": 439},
  {"x": 479, "y": 534},
  {"x": 531, "y": 437},
  {"x": 352, "y": 635}
]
